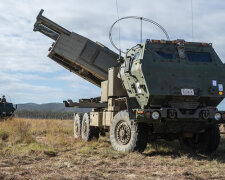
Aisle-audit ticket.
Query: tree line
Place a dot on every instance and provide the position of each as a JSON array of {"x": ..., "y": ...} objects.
[{"x": 34, "y": 114}]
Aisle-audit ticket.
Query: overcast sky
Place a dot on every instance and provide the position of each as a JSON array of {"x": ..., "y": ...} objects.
[{"x": 28, "y": 75}]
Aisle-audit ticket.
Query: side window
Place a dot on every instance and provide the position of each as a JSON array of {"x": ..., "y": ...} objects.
[
  {"x": 136, "y": 55},
  {"x": 199, "y": 56},
  {"x": 164, "y": 55}
]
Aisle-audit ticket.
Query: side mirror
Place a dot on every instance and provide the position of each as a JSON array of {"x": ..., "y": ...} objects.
[
  {"x": 128, "y": 63},
  {"x": 120, "y": 60}
]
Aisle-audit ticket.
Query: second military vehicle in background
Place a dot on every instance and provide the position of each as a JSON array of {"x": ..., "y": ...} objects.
[{"x": 6, "y": 109}]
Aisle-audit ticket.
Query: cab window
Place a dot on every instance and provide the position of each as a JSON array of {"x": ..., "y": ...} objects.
[
  {"x": 199, "y": 56},
  {"x": 164, "y": 55}
]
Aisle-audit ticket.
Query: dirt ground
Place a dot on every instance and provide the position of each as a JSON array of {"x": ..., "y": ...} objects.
[{"x": 49, "y": 151}]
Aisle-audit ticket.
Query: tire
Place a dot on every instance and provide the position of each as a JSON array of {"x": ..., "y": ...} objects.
[
  {"x": 206, "y": 142},
  {"x": 88, "y": 132},
  {"x": 77, "y": 125},
  {"x": 126, "y": 137}
]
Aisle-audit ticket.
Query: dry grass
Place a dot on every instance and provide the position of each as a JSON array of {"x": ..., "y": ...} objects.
[{"x": 46, "y": 149}]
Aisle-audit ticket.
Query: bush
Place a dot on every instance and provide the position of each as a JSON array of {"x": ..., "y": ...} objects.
[
  {"x": 16, "y": 131},
  {"x": 4, "y": 134}
]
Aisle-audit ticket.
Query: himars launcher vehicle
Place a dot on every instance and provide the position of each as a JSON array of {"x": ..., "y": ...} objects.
[{"x": 160, "y": 89}]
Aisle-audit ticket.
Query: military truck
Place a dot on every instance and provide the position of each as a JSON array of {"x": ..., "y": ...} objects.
[
  {"x": 6, "y": 109},
  {"x": 160, "y": 89}
]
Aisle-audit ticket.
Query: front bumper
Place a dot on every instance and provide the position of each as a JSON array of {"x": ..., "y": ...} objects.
[{"x": 175, "y": 114}]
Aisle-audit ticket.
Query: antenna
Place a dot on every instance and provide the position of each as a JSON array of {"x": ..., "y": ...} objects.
[
  {"x": 192, "y": 21},
  {"x": 141, "y": 30},
  {"x": 118, "y": 17},
  {"x": 139, "y": 18}
]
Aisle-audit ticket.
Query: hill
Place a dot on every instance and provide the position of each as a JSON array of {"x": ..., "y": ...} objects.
[{"x": 52, "y": 107}]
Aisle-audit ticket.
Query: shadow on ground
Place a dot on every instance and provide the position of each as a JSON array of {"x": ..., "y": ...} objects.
[{"x": 175, "y": 150}]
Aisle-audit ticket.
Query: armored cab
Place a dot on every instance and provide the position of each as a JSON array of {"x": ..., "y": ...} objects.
[
  {"x": 176, "y": 74},
  {"x": 158, "y": 90}
]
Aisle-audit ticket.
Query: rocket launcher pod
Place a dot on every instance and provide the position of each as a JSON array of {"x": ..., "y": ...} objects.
[{"x": 76, "y": 53}]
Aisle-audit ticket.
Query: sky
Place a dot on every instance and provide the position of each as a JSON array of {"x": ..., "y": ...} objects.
[{"x": 28, "y": 75}]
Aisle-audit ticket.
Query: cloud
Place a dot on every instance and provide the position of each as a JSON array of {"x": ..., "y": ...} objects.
[
  {"x": 22, "y": 91},
  {"x": 80, "y": 88},
  {"x": 29, "y": 92}
]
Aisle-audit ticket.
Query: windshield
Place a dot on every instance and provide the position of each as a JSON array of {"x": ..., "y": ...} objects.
[{"x": 199, "y": 56}]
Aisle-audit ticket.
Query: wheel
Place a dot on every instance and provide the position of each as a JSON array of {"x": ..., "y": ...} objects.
[
  {"x": 127, "y": 137},
  {"x": 206, "y": 142},
  {"x": 77, "y": 125},
  {"x": 88, "y": 132}
]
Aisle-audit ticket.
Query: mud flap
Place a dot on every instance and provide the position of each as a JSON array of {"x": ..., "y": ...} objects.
[{"x": 222, "y": 129}]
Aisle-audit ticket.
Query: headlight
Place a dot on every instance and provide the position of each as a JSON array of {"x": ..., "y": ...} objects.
[
  {"x": 217, "y": 116},
  {"x": 155, "y": 115}
]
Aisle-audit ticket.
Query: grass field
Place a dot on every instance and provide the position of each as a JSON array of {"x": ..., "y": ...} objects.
[{"x": 46, "y": 149}]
